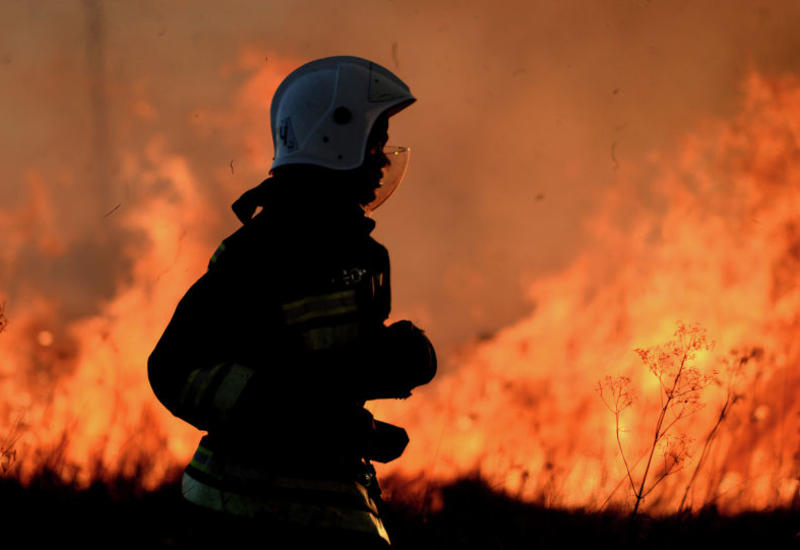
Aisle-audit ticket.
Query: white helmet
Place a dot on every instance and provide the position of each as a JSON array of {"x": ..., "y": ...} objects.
[{"x": 322, "y": 113}]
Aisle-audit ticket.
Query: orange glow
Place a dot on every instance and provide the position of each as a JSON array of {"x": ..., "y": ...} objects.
[
  {"x": 719, "y": 245},
  {"x": 80, "y": 402},
  {"x": 45, "y": 338}
]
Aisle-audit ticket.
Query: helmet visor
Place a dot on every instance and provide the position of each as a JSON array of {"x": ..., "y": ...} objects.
[{"x": 393, "y": 174}]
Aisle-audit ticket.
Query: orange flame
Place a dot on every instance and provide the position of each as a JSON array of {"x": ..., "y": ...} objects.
[
  {"x": 714, "y": 238},
  {"x": 76, "y": 397},
  {"x": 717, "y": 243}
]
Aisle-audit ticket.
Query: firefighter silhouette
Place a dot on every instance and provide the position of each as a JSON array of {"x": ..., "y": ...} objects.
[{"x": 275, "y": 349}]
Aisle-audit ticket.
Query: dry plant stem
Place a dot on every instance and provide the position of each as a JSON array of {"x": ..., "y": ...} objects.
[
  {"x": 680, "y": 386},
  {"x": 704, "y": 453},
  {"x": 426, "y": 498},
  {"x": 622, "y": 454},
  {"x": 640, "y": 494},
  {"x": 730, "y": 399},
  {"x": 621, "y": 481},
  {"x": 8, "y": 453}
]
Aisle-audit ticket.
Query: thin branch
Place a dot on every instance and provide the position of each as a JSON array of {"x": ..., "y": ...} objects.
[
  {"x": 657, "y": 435},
  {"x": 706, "y": 449},
  {"x": 620, "y": 482},
  {"x": 622, "y": 454}
]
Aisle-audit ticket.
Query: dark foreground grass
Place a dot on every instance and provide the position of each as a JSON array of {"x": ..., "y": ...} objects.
[{"x": 49, "y": 514}]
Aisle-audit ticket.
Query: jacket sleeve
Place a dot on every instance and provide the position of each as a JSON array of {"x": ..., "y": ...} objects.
[
  {"x": 345, "y": 347},
  {"x": 191, "y": 370},
  {"x": 328, "y": 342}
]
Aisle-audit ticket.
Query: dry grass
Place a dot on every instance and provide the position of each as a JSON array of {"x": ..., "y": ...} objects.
[
  {"x": 472, "y": 516},
  {"x": 681, "y": 386}
]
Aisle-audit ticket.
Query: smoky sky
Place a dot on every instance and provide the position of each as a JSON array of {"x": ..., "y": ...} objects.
[{"x": 525, "y": 112}]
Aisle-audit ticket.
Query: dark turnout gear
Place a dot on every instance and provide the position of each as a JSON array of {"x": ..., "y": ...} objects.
[{"x": 274, "y": 351}]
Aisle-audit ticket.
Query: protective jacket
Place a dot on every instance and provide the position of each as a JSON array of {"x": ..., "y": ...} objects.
[{"x": 273, "y": 352}]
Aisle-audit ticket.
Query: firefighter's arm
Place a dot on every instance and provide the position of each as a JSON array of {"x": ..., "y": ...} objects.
[
  {"x": 343, "y": 349},
  {"x": 396, "y": 359},
  {"x": 188, "y": 370},
  {"x": 346, "y": 344}
]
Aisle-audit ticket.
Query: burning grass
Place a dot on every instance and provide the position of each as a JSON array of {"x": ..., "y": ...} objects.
[
  {"x": 680, "y": 389},
  {"x": 471, "y": 515},
  {"x": 52, "y": 508},
  {"x": 721, "y": 246}
]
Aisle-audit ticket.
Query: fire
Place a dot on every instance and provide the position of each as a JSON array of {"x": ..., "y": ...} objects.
[
  {"x": 76, "y": 396},
  {"x": 712, "y": 239},
  {"x": 45, "y": 338},
  {"x": 717, "y": 243}
]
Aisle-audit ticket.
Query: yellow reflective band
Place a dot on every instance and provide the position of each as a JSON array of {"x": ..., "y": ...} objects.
[
  {"x": 197, "y": 385},
  {"x": 202, "y": 459},
  {"x": 312, "y": 515},
  {"x": 380, "y": 528},
  {"x": 220, "y": 249},
  {"x": 231, "y": 387},
  {"x": 184, "y": 397},
  {"x": 326, "y": 486},
  {"x": 324, "y": 305},
  {"x": 201, "y": 389},
  {"x": 203, "y": 451},
  {"x": 321, "y": 338},
  {"x": 369, "y": 502}
]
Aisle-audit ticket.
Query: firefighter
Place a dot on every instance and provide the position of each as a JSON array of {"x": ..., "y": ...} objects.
[{"x": 275, "y": 349}]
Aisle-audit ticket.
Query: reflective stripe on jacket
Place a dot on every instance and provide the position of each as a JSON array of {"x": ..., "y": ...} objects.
[
  {"x": 274, "y": 351},
  {"x": 294, "y": 502}
]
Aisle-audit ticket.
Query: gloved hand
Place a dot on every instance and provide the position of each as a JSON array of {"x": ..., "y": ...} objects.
[
  {"x": 388, "y": 442},
  {"x": 405, "y": 359},
  {"x": 416, "y": 357},
  {"x": 377, "y": 440}
]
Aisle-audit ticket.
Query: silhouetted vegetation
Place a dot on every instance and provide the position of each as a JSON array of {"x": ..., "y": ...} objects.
[
  {"x": 680, "y": 388},
  {"x": 468, "y": 515}
]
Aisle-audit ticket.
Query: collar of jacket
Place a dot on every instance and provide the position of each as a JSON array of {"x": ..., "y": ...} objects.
[{"x": 281, "y": 205}]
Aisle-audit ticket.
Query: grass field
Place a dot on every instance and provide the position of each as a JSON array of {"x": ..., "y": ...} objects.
[{"x": 118, "y": 514}]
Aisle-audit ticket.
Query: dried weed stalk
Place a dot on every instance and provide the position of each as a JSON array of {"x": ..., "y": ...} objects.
[
  {"x": 680, "y": 386},
  {"x": 732, "y": 367},
  {"x": 8, "y": 451}
]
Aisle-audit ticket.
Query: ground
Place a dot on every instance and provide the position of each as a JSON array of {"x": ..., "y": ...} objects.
[{"x": 120, "y": 515}]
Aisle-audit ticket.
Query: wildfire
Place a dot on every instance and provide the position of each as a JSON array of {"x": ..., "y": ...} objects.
[
  {"x": 75, "y": 395},
  {"x": 717, "y": 243},
  {"x": 713, "y": 239}
]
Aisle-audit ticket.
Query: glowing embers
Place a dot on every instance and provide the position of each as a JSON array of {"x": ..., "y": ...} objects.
[{"x": 45, "y": 338}]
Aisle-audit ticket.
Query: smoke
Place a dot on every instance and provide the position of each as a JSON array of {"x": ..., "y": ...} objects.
[
  {"x": 716, "y": 242},
  {"x": 526, "y": 112}
]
